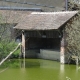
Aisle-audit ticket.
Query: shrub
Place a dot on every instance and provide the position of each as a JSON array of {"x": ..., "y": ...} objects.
[{"x": 7, "y": 47}]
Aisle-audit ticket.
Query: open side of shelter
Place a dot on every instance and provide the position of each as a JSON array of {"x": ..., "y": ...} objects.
[{"x": 41, "y": 43}]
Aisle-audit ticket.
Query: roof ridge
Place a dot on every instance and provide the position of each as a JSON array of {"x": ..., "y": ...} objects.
[{"x": 54, "y": 12}]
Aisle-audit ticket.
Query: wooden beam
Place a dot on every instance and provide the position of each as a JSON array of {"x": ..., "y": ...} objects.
[{"x": 23, "y": 44}]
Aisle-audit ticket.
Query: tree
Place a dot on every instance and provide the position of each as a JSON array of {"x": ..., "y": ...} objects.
[
  {"x": 73, "y": 32},
  {"x": 7, "y": 44}
]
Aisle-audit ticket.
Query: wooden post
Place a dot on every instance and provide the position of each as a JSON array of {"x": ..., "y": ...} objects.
[
  {"x": 23, "y": 44},
  {"x": 62, "y": 50}
]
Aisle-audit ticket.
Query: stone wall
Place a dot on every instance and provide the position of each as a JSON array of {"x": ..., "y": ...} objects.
[
  {"x": 44, "y": 54},
  {"x": 49, "y": 54}
]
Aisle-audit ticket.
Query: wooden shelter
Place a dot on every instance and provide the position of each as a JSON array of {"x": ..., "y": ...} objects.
[{"x": 43, "y": 34}]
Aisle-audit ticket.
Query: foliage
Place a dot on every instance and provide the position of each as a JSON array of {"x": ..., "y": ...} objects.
[
  {"x": 7, "y": 47},
  {"x": 11, "y": 63},
  {"x": 72, "y": 6},
  {"x": 7, "y": 44},
  {"x": 73, "y": 32}
]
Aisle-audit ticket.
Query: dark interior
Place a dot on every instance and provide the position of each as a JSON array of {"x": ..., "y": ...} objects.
[{"x": 43, "y": 43}]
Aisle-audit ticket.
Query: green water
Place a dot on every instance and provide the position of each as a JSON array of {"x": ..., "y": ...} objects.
[{"x": 37, "y": 69}]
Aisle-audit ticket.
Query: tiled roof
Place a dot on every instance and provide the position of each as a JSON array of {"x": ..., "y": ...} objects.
[
  {"x": 12, "y": 16},
  {"x": 45, "y": 20}
]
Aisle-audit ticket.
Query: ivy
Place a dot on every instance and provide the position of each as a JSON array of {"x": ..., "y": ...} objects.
[{"x": 73, "y": 31}]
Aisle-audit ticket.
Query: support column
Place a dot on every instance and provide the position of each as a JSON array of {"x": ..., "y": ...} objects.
[
  {"x": 62, "y": 52},
  {"x": 23, "y": 44},
  {"x": 63, "y": 57}
]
